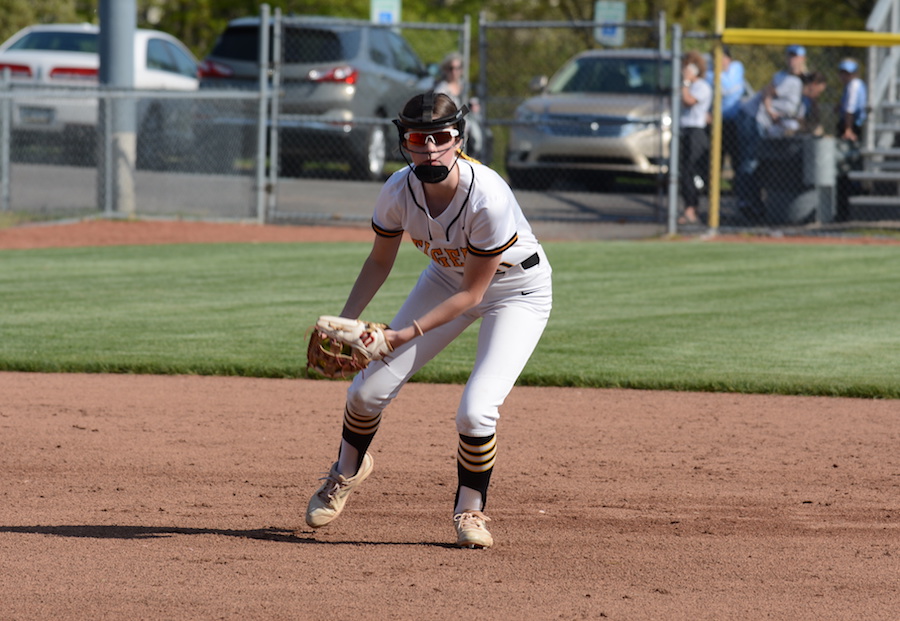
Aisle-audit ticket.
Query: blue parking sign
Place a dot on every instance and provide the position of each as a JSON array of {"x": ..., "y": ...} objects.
[
  {"x": 607, "y": 14},
  {"x": 385, "y": 11}
]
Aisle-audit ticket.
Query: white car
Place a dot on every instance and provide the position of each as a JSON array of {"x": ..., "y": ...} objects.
[{"x": 65, "y": 57}]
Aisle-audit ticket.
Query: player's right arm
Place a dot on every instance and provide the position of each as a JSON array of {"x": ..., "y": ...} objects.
[
  {"x": 477, "y": 276},
  {"x": 374, "y": 272}
]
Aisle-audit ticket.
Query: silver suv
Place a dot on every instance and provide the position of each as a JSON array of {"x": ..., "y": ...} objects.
[{"x": 341, "y": 83}]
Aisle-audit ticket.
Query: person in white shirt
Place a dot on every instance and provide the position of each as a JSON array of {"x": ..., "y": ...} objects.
[
  {"x": 733, "y": 85},
  {"x": 851, "y": 111},
  {"x": 852, "y": 107},
  {"x": 453, "y": 84},
  {"x": 696, "y": 99},
  {"x": 486, "y": 264}
]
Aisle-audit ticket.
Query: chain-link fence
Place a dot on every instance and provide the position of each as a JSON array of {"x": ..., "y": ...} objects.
[
  {"x": 604, "y": 122},
  {"x": 586, "y": 124},
  {"x": 794, "y": 159},
  {"x": 336, "y": 85},
  {"x": 317, "y": 106},
  {"x": 583, "y": 130},
  {"x": 62, "y": 159}
]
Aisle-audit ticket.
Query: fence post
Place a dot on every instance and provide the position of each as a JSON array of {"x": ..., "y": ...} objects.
[
  {"x": 117, "y": 25},
  {"x": 674, "y": 146},
  {"x": 5, "y": 133},
  {"x": 465, "y": 45},
  {"x": 274, "y": 157},
  {"x": 107, "y": 182},
  {"x": 482, "y": 64},
  {"x": 261, "y": 121},
  {"x": 715, "y": 146}
]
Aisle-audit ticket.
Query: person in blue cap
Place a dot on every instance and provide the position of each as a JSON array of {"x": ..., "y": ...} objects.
[
  {"x": 851, "y": 113},
  {"x": 852, "y": 107},
  {"x": 732, "y": 85},
  {"x": 782, "y": 102},
  {"x": 774, "y": 111}
]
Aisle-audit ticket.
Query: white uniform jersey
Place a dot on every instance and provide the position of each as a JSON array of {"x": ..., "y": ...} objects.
[{"x": 483, "y": 219}]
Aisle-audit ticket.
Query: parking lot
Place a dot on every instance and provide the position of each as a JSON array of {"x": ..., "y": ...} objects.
[{"x": 557, "y": 213}]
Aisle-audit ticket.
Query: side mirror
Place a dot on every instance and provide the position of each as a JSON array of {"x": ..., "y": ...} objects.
[{"x": 538, "y": 83}]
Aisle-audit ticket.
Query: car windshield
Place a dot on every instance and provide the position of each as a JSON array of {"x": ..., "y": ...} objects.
[
  {"x": 310, "y": 45},
  {"x": 238, "y": 43},
  {"x": 301, "y": 45},
  {"x": 613, "y": 75},
  {"x": 58, "y": 41}
]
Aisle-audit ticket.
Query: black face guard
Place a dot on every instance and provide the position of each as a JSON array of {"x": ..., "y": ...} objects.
[{"x": 405, "y": 124}]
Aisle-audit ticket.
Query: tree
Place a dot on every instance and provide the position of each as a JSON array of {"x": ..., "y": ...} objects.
[
  {"x": 198, "y": 22},
  {"x": 18, "y": 14}
]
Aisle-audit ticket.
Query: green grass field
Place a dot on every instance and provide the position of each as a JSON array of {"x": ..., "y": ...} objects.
[{"x": 767, "y": 318}]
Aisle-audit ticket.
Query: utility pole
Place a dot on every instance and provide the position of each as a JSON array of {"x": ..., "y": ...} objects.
[{"x": 117, "y": 125}]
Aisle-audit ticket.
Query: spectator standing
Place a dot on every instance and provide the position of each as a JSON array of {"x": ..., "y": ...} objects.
[
  {"x": 782, "y": 101},
  {"x": 814, "y": 84},
  {"x": 774, "y": 111},
  {"x": 453, "y": 84},
  {"x": 696, "y": 99},
  {"x": 852, "y": 107},
  {"x": 851, "y": 116},
  {"x": 731, "y": 83}
]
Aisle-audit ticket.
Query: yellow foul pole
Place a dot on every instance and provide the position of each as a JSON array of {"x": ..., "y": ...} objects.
[{"x": 715, "y": 153}]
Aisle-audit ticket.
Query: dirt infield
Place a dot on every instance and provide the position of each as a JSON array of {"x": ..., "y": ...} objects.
[{"x": 143, "y": 497}]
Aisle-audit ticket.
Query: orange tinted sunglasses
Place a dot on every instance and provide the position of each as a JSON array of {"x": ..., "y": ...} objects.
[{"x": 439, "y": 137}]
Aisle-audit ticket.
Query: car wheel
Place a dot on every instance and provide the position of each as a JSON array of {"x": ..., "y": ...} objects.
[
  {"x": 369, "y": 162},
  {"x": 529, "y": 178}
]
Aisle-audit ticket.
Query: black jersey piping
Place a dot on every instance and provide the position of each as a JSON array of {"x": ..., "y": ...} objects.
[
  {"x": 462, "y": 207},
  {"x": 493, "y": 253},
  {"x": 385, "y": 232}
]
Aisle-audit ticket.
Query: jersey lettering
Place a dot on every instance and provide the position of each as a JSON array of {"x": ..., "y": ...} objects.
[
  {"x": 437, "y": 255},
  {"x": 445, "y": 257},
  {"x": 456, "y": 257}
]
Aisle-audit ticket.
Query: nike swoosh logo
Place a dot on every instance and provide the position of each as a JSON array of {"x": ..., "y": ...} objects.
[{"x": 530, "y": 292}]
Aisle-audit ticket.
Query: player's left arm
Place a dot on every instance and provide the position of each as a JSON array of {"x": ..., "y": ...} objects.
[{"x": 477, "y": 275}]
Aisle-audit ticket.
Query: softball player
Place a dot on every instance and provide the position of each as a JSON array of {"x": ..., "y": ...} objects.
[{"x": 485, "y": 264}]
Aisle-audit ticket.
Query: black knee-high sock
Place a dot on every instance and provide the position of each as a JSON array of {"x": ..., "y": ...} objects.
[
  {"x": 359, "y": 432},
  {"x": 475, "y": 463}
]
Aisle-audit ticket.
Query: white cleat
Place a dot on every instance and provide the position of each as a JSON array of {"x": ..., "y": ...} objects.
[
  {"x": 471, "y": 531},
  {"x": 328, "y": 502}
]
